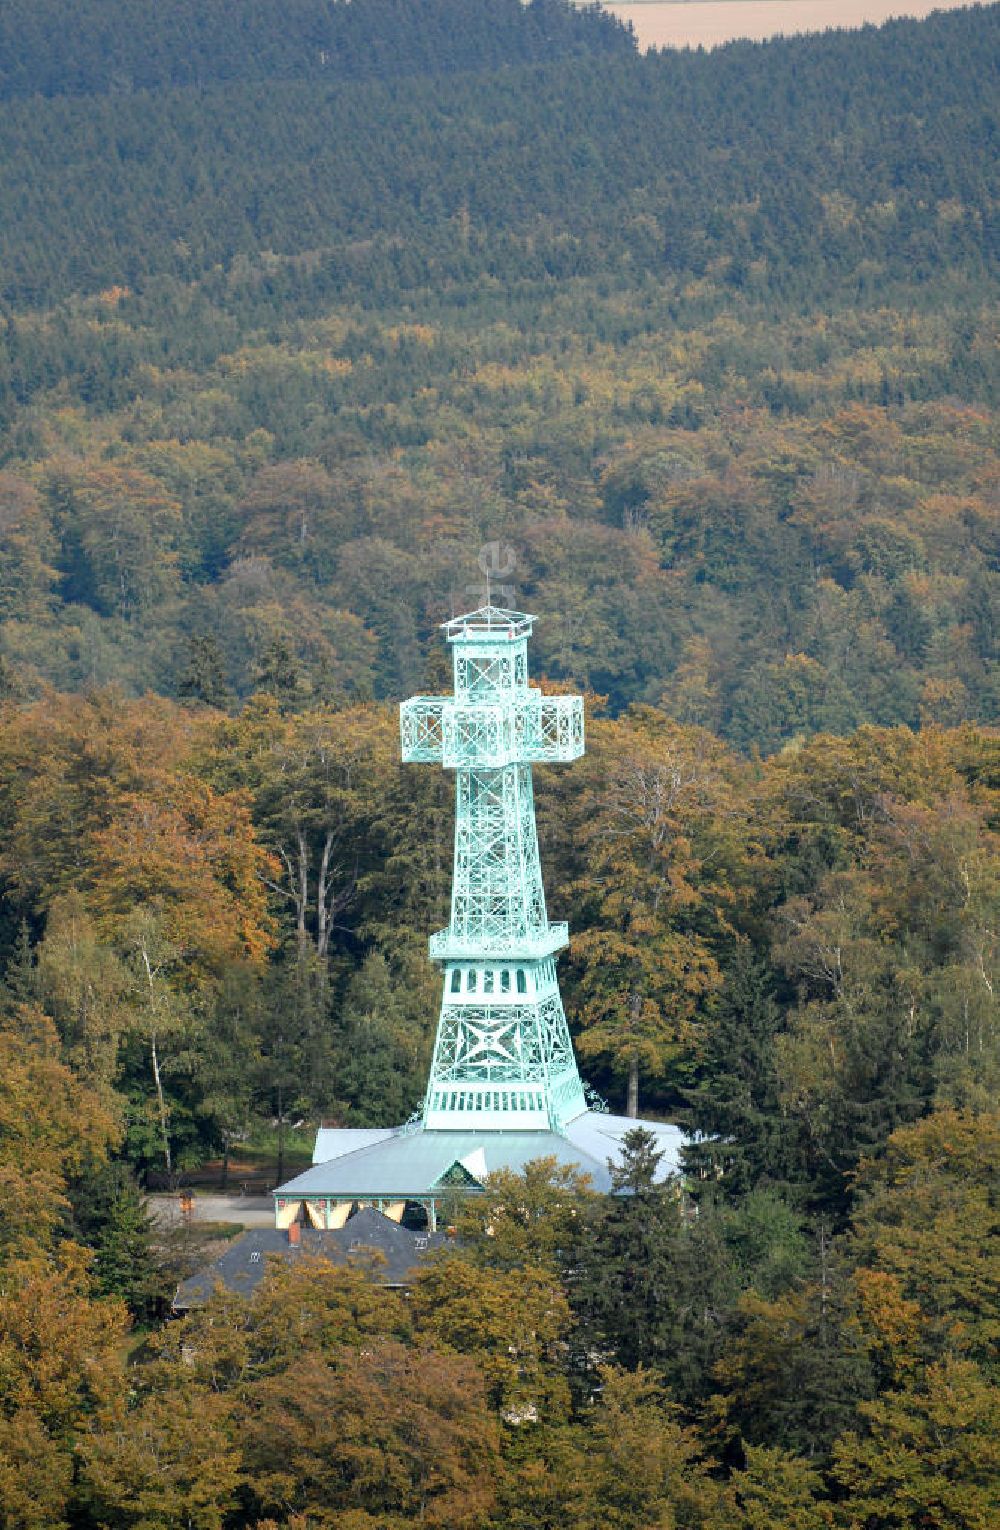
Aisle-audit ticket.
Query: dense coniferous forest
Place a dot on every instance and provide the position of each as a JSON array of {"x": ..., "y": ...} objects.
[
  {"x": 96, "y": 48},
  {"x": 310, "y": 313},
  {"x": 785, "y": 173}
]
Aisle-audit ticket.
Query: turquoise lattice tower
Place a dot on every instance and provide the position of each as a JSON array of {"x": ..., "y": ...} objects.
[{"x": 503, "y": 1059}]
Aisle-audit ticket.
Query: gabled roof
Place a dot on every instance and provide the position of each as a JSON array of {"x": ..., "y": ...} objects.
[
  {"x": 244, "y": 1262},
  {"x": 458, "y": 1174}
]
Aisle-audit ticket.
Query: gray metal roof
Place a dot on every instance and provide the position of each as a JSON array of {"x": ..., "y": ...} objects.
[
  {"x": 244, "y": 1262},
  {"x": 410, "y": 1164},
  {"x": 600, "y": 1135},
  {"x": 335, "y": 1141}
]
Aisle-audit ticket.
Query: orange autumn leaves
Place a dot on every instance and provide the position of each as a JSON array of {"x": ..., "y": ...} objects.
[{"x": 99, "y": 799}]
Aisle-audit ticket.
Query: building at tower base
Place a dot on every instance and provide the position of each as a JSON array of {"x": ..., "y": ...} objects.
[
  {"x": 413, "y": 1169},
  {"x": 504, "y": 1088}
]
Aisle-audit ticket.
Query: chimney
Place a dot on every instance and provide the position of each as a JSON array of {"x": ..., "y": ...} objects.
[{"x": 295, "y": 1233}]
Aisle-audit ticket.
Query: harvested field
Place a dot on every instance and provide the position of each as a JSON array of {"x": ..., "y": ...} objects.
[{"x": 709, "y": 23}]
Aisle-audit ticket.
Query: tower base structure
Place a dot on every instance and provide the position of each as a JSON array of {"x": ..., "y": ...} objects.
[{"x": 411, "y": 1170}]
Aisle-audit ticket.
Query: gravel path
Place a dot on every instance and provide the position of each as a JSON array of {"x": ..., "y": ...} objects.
[{"x": 251, "y": 1210}]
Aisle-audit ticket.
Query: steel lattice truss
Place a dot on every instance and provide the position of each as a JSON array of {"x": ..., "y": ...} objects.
[
  {"x": 441, "y": 730},
  {"x": 503, "y": 1056}
]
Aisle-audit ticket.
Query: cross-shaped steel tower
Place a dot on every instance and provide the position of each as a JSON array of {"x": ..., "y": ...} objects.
[{"x": 503, "y": 1059}]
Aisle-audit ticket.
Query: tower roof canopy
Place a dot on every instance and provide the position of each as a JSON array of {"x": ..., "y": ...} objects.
[
  {"x": 411, "y": 1165},
  {"x": 488, "y": 622}
]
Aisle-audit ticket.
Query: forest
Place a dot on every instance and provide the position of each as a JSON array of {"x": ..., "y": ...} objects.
[{"x": 309, "y": 314}]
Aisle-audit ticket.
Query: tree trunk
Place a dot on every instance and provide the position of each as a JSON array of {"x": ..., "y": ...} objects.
[
  {"x": 302, "y": 896},
  {"x": 632, "y": 1108},
  {"x": 225, "y": 1161},
  {"x": 161, "y": 1103},
  {"x": 324, "y": 910},
  {"x": 281, "y": 1135},
  {"x": 162, "y": 1107}
]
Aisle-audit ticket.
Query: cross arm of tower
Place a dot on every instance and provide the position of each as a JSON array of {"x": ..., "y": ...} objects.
[{"x": 526, "y": 729}]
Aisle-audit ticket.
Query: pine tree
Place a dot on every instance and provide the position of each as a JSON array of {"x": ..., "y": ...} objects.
[
  {"x": 117, "y": 1224},
  {"x": 20, "y": 978},
  {"x": 734, "y": 1106},
  {"x": 204, "y": 677},
  {"x": 621, "y": 1282},
  {"x": 380, "y": 1054}
]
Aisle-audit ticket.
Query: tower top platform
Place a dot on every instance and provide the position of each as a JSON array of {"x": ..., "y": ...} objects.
[{"x": 489, "y": 624}]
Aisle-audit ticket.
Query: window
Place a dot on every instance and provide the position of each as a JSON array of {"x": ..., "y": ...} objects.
[
  {"x": 470, "y": 980},
  {"x": 505, "y": 981},
  {"x": 522, "y": 983},
  {"x": 488, "y": 982},
  {"x": 456, "y": 980}
]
